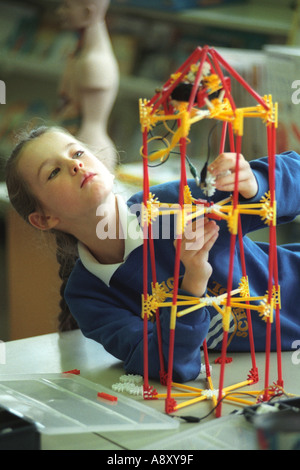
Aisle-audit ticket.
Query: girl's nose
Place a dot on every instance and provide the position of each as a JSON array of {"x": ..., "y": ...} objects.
[{"x": 76, "y": 166}]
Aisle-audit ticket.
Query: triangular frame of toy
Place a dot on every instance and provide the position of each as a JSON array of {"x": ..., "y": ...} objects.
[{"x": 209, "y": 98}]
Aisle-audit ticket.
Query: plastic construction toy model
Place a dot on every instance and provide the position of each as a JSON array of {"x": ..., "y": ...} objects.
[{"x": 198, "y": 90}]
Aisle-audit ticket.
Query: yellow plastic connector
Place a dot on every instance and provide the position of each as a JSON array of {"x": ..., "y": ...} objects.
[
  {"x": 187, "y": 195},
  {"x": 147, "y": 119},
  {"x": 185, "y": 124},
  {"x": 190, "y": 76},
  {"x": 271, "y": 116},
  {"x": 174, "y": 76},
  {"x": 149, "y": 306},
  {"x": 180, "y": 222},
  {"x": 212, "y": 83},
  {"x": 276, "y": 296},
  {"x": 266, "y": 309},
  {"x": 159, "y": 292},
  {"x": 244, "y": 287},
  {"x": 226, "y": 317},
  {"x": 238, "y": 122},
  {"x": 232, "y": 221},
  {"x": 144, "y": 215},
  {"x": 151, "y": 211},
  {"x": 152, "y": 208},
  {"x": 268, "y": 211},
  {"x": 220, "y": 109}
]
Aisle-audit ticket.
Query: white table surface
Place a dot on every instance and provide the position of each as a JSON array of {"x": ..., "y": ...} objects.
[{"x": 55, "y": 353}]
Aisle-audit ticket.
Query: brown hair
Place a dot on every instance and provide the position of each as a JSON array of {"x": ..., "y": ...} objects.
[{"x": 25, "y": 202}]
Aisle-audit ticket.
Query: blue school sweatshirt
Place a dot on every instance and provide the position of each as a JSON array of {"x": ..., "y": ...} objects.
[{"x": 105, "y": 300}]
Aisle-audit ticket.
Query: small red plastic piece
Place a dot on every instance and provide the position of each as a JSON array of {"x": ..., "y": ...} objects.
[
  {"x": 149, "y": 393},
  {"x": 253, "y": 375},
  {"x": 106, "y": 396},
  {"x": 163, "y": 378},
  {"x": 170, "y": 405},
  {"x": 73, "y": 371},
  {"x": 227, "y": 360}
]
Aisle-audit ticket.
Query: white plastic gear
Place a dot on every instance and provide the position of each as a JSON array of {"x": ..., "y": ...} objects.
[
  {"x": 203, "y": 369},
  {"x": 136, "y": 390},
  {"x": 118, "y": 387},
  {"x": 128, "y": 387},
  {"x": 129, "y": 383},
  {"x": 210, "y": 393},
  {"x": 210, "y": 185},
  {"x": 210, "y": 182},
  {"x": 131, "y": 378}
]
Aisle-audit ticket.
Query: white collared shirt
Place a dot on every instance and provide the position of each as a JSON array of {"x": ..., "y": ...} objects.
[{"x": 133, "y": 236}]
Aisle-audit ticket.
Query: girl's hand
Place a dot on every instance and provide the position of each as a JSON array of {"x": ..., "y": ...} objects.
[
  {"x": 225, "y": 163},
  {"x": 195, "y": 246}
]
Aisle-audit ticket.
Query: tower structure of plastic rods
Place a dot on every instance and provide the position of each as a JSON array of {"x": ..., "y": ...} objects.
[{"x": 209, "y": 98}]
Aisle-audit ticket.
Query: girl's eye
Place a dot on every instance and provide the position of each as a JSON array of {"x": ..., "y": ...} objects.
[
  {"x": 53, "y": 173},
  {"x": 78, "y": 154}
]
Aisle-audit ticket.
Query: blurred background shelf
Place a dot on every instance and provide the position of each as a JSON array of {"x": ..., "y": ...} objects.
[{"x": 254, "y": 16}]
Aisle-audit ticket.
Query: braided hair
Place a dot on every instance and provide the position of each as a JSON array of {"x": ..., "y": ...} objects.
[{"x": 25, "y": 202}]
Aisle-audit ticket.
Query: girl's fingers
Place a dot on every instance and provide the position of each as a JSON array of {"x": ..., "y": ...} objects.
[
  {"x": 226, "y": 162},
  {"x": 223, "y": 163},
  {"x": 200, "y": 239},
  {"x": 226, "y": 182},
  {"x": 210, "y": 243}
]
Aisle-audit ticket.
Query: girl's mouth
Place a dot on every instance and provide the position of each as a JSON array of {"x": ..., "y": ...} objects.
[{"x": 87, "y": 177}]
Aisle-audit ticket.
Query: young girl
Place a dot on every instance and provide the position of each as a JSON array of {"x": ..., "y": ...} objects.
[{"x": 57, "y": 184}]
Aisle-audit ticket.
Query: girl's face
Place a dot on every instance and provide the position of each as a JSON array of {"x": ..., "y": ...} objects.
[{"x": 67, "y": 179}]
